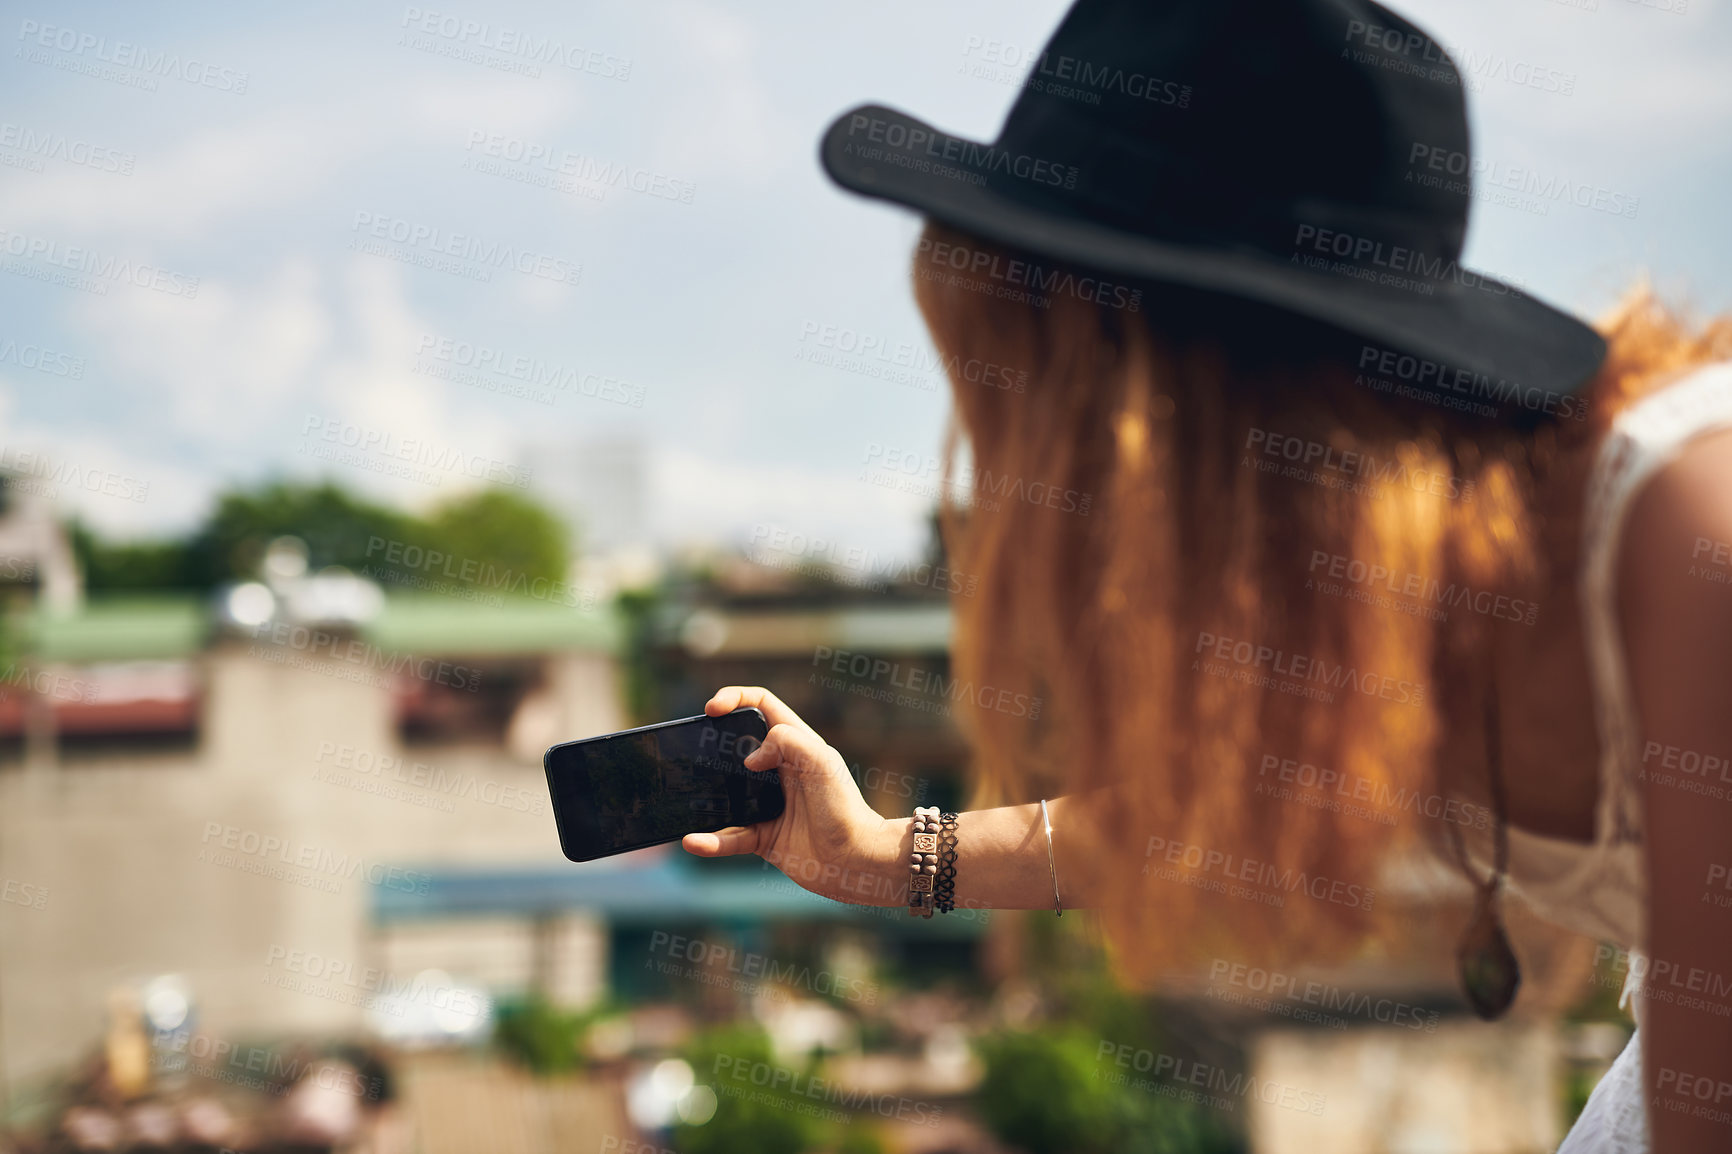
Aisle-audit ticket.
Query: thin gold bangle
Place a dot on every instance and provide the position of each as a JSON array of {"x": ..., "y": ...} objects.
[{"x": 1051, "y": 862}]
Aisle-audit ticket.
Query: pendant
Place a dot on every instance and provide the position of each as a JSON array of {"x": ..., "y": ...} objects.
[{"x": 1490, "y": 974}]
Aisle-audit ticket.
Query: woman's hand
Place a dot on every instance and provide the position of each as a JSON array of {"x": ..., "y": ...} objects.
[{"x": 827, "y": 838}]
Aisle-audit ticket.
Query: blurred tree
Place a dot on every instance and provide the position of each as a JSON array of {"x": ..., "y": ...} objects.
[
  {"x": 510, "y": 531},
  {"x": 507, "y": 531},
  {"x": 751, "y": 1114},
  {"x": 130, "y": 564},
  {"x": 1047, "y": 1091},
  {"x": 541, "y": 1037},
  {"x": 1052, "y": 1087},
  {"x": 1044, "y": 1093},
  {"x": 646, "y": 672},
  {"x": 337, "y": 527}
]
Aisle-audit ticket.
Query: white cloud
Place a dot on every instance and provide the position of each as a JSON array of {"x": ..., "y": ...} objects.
[
  {"x": 196, "y": 183},
  {"x": 109, "y": 478},
  {"x": 734, "y": 131},
  {"x": 719, "y": 501},
  {"x": 220, "y": 362},
  {"x": 371, "y": 384},
  {"x": 201, "y": 181}
]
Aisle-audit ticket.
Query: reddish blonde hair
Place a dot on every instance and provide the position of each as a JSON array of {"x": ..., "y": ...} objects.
[{"x": 1148, "y": 426}]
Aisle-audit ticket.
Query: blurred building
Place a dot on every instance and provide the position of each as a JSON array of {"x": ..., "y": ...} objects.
[
  {"x": 35, "y": 557},
  {"x": 228, "y": 808},
  {"x": 600, "y": 486}
]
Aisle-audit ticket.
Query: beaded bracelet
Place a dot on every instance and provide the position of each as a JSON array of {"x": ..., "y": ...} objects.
[
  {"x": 923, "y": 863},
  {"x": 944, "y": 892}
]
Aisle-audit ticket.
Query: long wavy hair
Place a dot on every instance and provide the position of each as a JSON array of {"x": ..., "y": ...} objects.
[{"x": 1252, "y": 587}]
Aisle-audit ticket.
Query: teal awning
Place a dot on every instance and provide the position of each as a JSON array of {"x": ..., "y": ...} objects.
[{"x": 654, "y": 894}]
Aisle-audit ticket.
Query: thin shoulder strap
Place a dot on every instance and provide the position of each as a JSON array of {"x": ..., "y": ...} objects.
[{"x": 1643, "y": 439}]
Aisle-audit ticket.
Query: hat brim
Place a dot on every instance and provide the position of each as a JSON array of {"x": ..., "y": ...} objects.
[{"x": 1472, "y": 322}]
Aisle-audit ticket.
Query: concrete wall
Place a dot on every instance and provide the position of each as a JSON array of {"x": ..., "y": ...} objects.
[
  {"x": 1466, "y": 1088},
  {"x": 237, "y": 863}
]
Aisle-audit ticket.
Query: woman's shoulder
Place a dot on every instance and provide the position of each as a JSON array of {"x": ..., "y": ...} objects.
[
  {"x": 1674, "y": 448},
  {"x": 1674, "y": 594},
  {"x": 1677, "y": 533},
  {"x": 1663, "y": 461}
]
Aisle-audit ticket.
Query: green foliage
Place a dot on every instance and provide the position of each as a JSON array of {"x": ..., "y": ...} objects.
[
  {"x": 1044, "y": 1093},
  {"x": 644, "y": 674},
  {"x": 131, "y": 565},
  {"x": 1047, "y": 1093},
  {"x": 1597, "y": 1002},
  {"x": 750, "y": 1119},
  {"x": 541, "y": 1037},
  {"x": 337, "y": 527},
  {"x": 511, "y": 531},
  {"x": 1578, "y": 1084},
  {"x": 491, "y": 528},
  {"x": 860, "y": 1138}
]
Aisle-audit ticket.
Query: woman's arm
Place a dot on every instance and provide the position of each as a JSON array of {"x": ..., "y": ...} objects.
[
  {"x": 1677, "y": 626},
  {"x": 1001, "y": 856},
  {"x": 834, "y": 844}
]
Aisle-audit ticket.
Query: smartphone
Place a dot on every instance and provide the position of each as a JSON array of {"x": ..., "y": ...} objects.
[{"x": 648, "y": 786}]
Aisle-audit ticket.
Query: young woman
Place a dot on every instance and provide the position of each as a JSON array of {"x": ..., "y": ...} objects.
[{"x": 1347, "y": 561}]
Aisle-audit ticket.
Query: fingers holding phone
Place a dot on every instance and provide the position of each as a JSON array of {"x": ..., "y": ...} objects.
[
  {"x": 732, "y": 697},
  {"x": 825, "y": 822}
]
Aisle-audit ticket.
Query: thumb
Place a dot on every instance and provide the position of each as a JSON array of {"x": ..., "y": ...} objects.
[{"x": 736, "y": 839}]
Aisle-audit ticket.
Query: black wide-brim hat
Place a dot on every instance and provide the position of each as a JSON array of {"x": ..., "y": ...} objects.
[{"x": 1311, "y": 155}]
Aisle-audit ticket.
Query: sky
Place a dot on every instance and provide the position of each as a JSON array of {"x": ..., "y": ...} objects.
[{"x": 644, "y": 224}]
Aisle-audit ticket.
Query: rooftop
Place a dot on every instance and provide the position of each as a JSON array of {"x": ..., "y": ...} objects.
[{"x": 166, "y": 627}]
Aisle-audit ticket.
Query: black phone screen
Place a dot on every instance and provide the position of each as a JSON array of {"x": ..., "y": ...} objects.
[{"x": 648, "y": 786}]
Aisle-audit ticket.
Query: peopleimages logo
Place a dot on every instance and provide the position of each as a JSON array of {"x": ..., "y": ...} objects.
[
  {"x": 925, "y": 683},
  {"x": 1479, "y": 172},
  {"x": 874, "y": 355},
  {"x": 579, "y": 167},
  {"x": 1339, "y": 791},
  {"x": 1420, "y": 595},
  {"x": 437, "y": 242},
  {"x": 1177, "y": 1071},
  {"x": 437, "y": 459},
  {"x": 1017, "y": 280},
  {"x": 156, "y": 63},
  {"x": 1071, "y": 77},
  {"x": 336, "y": 645},
  {"x": 909, "y": 142},
  {"x": 465, "y": 571},
  {"x": 250, "y": 850},
  {"x": 28, "y": 467},
  {"x": 1436, "y": 375},
  {"x": 345, "y": 974},
  {"x": 103, "y": 268},
  {"x": 1401, "y": 267},
  {"x": 1245, "y": 660},
  {"x": 42, "y": 144},
  {"x": 783, "y": 1087},
  {"x": 452, "y": 355},
  {"x": 42, "y": 360},
  {"x": 1274, "y": 991},
  {"x": 1231, "y": 867},
  {"x": 1326, "y": 458},
  {"x": 528, "y": 47},
  {"x": 752, "y": 968}
]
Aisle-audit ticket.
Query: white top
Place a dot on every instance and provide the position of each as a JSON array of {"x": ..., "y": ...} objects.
[{"x": 1598, "y": 889}]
